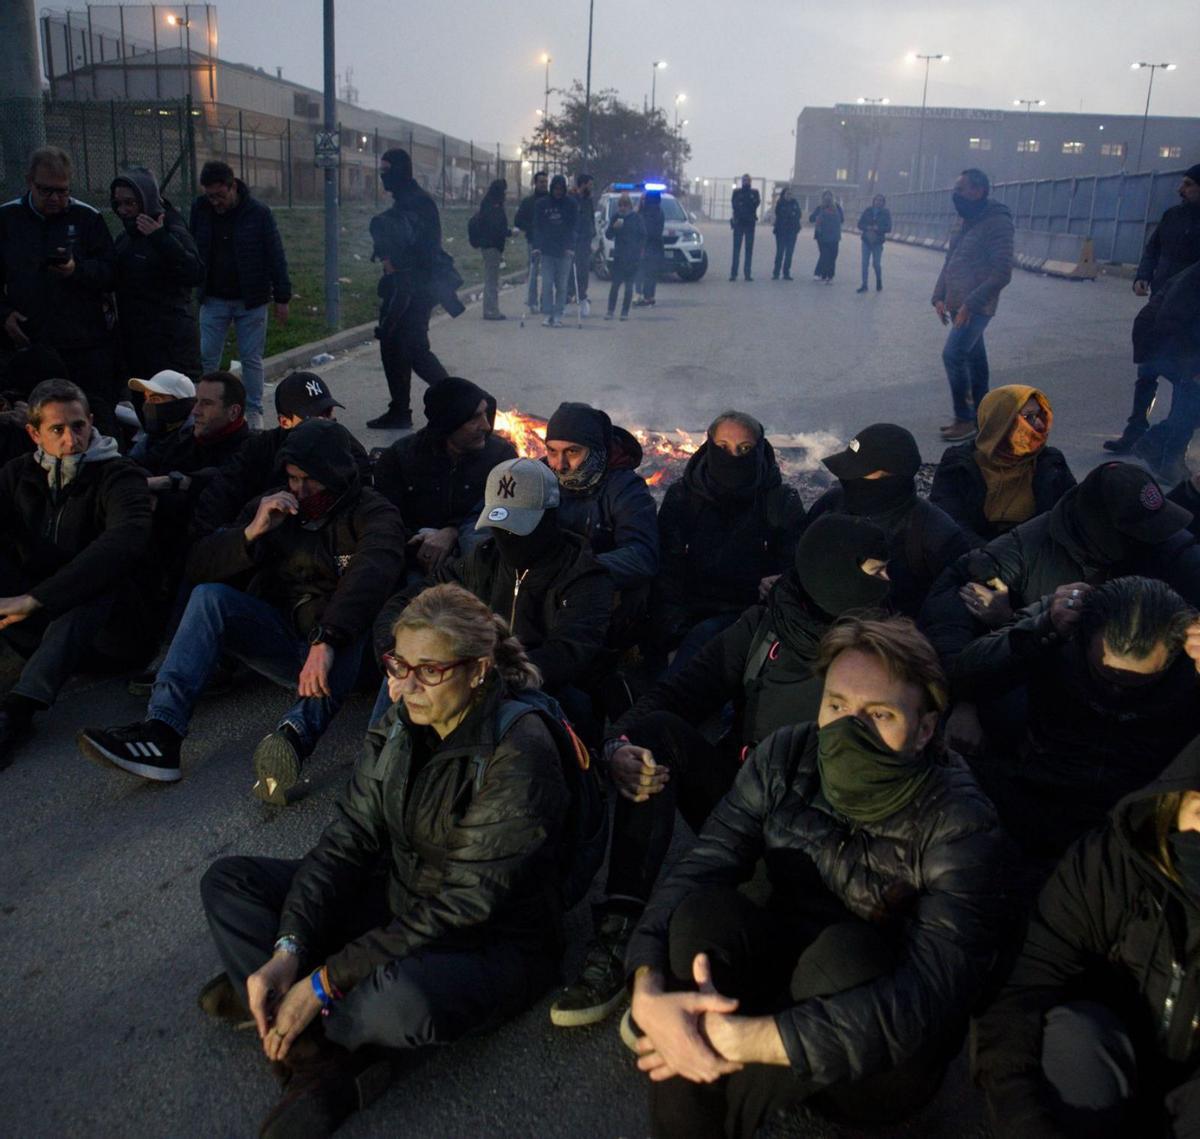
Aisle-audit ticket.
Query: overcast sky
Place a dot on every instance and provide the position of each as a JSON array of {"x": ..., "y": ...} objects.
[{"x": 471, "y": 67}]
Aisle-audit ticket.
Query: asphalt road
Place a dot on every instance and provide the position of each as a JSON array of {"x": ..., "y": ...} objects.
[{"x": 102, "y": 939}]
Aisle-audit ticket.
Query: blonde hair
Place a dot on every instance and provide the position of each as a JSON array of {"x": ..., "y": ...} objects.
[{"x": 473, "y": 630}]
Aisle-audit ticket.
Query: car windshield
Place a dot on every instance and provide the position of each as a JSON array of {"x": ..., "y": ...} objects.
[{"x": 672, "y": 210}]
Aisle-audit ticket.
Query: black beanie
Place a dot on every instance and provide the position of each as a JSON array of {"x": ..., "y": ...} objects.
[
  {"x": 580, "y": 423},
  {"x": 1193, "y": 172},
  {"x": 449, "y": 403},
  {"x": 829, "y": 558},
  {"x": 400, "y": 162}
]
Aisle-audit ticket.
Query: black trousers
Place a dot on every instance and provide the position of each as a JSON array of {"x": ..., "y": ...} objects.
[
  {"x": 701, "y": 773},
  {"x": 404, "y": 349},
  {"x": 772, "y": 959},
  {"x": 434, "y": 996},
  {"x": 740, "y": 234},
  {"x": 785, "y": 246},
  {"x": 623, "y": 273},
  {"x": 826, "y": 259}
]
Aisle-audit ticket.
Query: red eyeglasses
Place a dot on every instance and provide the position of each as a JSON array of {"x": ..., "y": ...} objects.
[{"x": 429, "y": 674}]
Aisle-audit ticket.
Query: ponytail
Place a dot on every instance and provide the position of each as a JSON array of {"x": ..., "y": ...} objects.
[{"x": 513, "y": 666}]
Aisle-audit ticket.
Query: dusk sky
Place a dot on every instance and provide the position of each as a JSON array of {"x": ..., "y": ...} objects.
[{"x": 472, "y": 67}]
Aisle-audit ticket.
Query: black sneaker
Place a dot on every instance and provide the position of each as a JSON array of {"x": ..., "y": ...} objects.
[
  {"x": 277, "y": 762},
  {"x": 391, "y": 421},
  {"x": 148, "y": 749},
  {"x": 1125, "y": 444},
  {"x": 861, "y": 289},
  {"x": 600, "y": 986}
]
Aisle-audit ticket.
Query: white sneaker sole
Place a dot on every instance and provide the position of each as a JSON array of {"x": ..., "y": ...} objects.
[
  {"x": 103, "y": 756},
  {"x": 578, "y": 1017}
]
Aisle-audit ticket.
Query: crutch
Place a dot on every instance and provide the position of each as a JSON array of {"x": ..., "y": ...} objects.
[
  {"x": 533, "y": 273},
  {"x": 578, "y": 298}
]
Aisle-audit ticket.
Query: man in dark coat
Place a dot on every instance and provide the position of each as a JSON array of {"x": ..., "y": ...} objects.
[
  {"x": 436, "y": 477},
  {"x": 57, "y": 264},
  {"x": 874, "y": 224},
  {"x": 554, "y": 217},
  {"x": 158, "y": 266},
  {"x": 76, "y": 520},
  {"x": 492, "y": 221},
  {"x": 406, "y": 289},
  {"x": 524, "y": 222},
  {"x": 317, "y": 561},
  {"x": 1173, "y": 245},
  {"x": 743, "y": 205},
  {"x": 876, "y": 476},
  {"x": 245, "y": 268},
  {"x": 786, "y": 229},
  {"x": 585, "y": 235},
  {"x": 853, "y": 986},
  {"x": 660, "y": 760},
  {"x": 653, "y": 222}
]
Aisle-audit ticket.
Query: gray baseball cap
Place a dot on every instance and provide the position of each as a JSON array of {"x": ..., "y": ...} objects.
[{"x": 518, "y": 493}]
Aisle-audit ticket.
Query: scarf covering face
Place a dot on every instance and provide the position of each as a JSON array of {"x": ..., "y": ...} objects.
[
  {"x": 733, "y": 475},
  {"x": 863, "y": 778},
  {"x": 588, "y": 474},
  {"x": 317, "y": 505},
  {"x": 1006, "y": 452},
  {"x": 159, "y": 418},
  {"x": 1185, "y": 852},
  {"x": 877, "y": 496}
]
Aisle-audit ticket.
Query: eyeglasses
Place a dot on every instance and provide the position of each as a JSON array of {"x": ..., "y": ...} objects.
[
  {"x": 429, "y": 674},
  {"x": 52, "y": 191}
]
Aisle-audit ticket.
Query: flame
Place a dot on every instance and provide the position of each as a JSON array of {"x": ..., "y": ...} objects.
[{"x": 525, "y": 432}]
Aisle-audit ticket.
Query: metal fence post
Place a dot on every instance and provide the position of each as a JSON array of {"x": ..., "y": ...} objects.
[
  {"x": 241, "y": 147},
  {"x": 443, "y": 171},
  {"x": 1112, "y": 250},
  {"x": 289, "y": 163},
  {"x": 112, "y": 124},
  {"x": 375, "y": 190},
  {"x": 83, "y": 130}
]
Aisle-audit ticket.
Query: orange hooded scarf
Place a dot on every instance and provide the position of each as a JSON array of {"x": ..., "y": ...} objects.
[{"x": 1006, "y": 451}]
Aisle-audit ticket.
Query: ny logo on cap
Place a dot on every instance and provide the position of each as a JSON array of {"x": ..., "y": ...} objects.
[
  {"x": 507, "y": 487},
  {"x": 314, "y": 389},
  {"x": 853, "y": 445}
]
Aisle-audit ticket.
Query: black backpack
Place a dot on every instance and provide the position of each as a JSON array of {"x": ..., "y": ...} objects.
[{"x": 475, "y": 231}]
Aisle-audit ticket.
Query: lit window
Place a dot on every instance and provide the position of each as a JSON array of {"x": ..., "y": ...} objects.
[
  {"x": 979, "y": 143},
  {"x": 1028, "y": 145},
  {"x": 872, "y": 175},
  {"x": 842, "y": 174},
  {"x": 1113, "y": 149},
  {"x": 1170, "y": 152},
  {"x": 1072, "y": 148}
]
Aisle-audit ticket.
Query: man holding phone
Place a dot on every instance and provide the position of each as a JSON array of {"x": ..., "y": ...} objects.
[{"x": 57, "y": 264}]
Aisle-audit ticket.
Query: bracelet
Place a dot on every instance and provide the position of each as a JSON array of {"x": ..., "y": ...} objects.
[
  {"x": 289, "y": 944},
  {"x": 318, "y": 988}
]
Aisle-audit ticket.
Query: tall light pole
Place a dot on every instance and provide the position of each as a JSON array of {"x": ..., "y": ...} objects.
[
  {"x": 546, "y": 104},
  {"x": 1028, "y": 104},
  {"x": 332, "y": 299},
  {"x": 656, "y": 67},
  {"x": 587, "y": 92},
  {"x": 184, "y": 25},
  {"x": 680, "y": 98},
  {"x": 920, "y": 163},
  {"x": 1149, "y": 88}
]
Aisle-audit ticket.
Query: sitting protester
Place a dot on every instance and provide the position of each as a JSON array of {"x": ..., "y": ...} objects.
[
  {"x": 1186, "y": 493},
  {"x": 317, "y": 561},
  {"x": 1112, "y": 698},
  {"x": 660, "y": 760},
  {"x": 852, "y": 987},
  {"x": 367, "y": 944},
  {"x": 1008, "y": 473},
  {"x": 1094, "y": 1035},
  {"x": 255, "y": 468},
  {"x": 435, "y": 478},
  {"x": 76, "y": 521},
  {"x": 876, "y": 476},
  {"x": 726, "y": 530}
]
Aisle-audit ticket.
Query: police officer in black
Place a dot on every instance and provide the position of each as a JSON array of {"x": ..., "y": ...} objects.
[{"x": 744, "y": 203}]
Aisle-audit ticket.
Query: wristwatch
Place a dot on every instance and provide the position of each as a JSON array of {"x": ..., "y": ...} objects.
[
  {"x": 176, "y": 478},
  {"x": 323, "y": 635}
]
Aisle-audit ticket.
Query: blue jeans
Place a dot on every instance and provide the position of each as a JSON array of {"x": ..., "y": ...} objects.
[
  {"x": 872, "y": 253},
  {"x": 966, "y": 363},
  {"x": 555, "y": 271},
  {"x": 216, "y": 315},
  {"x": 220, "y": 619},
  {"x": 531, "y": 290}
]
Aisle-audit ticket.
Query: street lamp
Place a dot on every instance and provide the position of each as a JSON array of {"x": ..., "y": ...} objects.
[
  {"x": 915, "y": 56},
  {"x": 185, "y": 26},
  {"x": 1028, "y": 104},
  {"x": 678, "y": 99},
  {"x": 1149, "y": 87},
  {"x": 545, "y": 112},
  {"x": 656, "y": 67}
]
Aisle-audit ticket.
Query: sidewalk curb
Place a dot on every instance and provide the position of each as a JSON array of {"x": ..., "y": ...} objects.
[{"x": 277, "y": 366}]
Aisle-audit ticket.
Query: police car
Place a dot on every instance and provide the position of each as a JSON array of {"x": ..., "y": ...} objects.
[{"x": 683, "y": 244}]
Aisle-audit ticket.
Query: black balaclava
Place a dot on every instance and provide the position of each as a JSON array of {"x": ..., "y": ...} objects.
[
  {"x": 863, "y": 778},
  {"x": 877, "y": 496},
  {"x": 1086, "y": 516},
  {"x": 967, "y": 209},
  {"x": 733, "y": 475},
  {"x": 522, "y": 551},
  {"x": 160, "y": 418},
  {"x": 400, "y": 172},
  {"x": 1185, "y": 853},
  {"x": 829, "y": 559}
]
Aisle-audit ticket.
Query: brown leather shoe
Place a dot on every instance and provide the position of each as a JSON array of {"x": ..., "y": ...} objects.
[
  {"x": 959, "y": 431},
  {"x": 220, "y": 1000}
]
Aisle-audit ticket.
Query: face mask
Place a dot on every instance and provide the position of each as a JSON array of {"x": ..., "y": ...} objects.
[
  {"x": 874, "y": 496},
  {"x": 588, "y": 474},
  {"x": 159, "y": 418},
  {"x": 390, "y": 180},
  {"x": 317, "y": 505},
  {"x": 521, "y": 552},
  {"x": 967, "y": 209},
  {"x": 732, "y": 473},
  {"x": 861, "y": 776},
  {"x": 1185, "y": 853},
  {"x": 1024, "y": 439}
]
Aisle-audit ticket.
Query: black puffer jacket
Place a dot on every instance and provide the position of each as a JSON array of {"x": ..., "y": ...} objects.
[
  {"x": 1185, "y": 495},
  {"x": 1033, "y": 560},
  {"x": 525, "y": 213},
  {"x": 617, "y": 516},
  {"x": 932, "y": 873},
  {"x": 629, "y": 240},
  {"x": 762, "y": 664},
  {"x": 1172, "y": 247},
  {"x": 257, "y": 247},
  {"x": 469, "y": 864},
  {"x": 922, "y": 541},
  {"x": 156, "y": 274},
  {"x": 252, "y": 471},
  {"x": 743, "y": 205},
  {"x": 960, "y": 490},
  {"x": 717, "y": 546},
  {"x": 66, "y": 313},
  {"x": 493, "y": 224},
  {"x": 1109, "y": 926},
  {"x": 431, "y": 489},
  {"x": 787, "y": 218},
  {"x": 337, "y": 571}
]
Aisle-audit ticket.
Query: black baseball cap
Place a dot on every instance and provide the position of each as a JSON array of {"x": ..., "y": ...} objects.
[
  {"x": 880, "y": 447},
  {"x": 304, "y": 394},
  {"x": 1134, "y": 503}
]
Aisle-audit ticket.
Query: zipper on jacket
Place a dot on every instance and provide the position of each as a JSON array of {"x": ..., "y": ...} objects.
[
  {"x": 512, "y": 617},
  {"x": 1172, "y": 998}
]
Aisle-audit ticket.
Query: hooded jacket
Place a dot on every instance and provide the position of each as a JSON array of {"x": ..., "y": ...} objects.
[
  {"x": 717, "y": 545},
  {"x": 67, "y": 313},
  {"x": 931, "y": 873},
  {"x": 155, "y": 276},
  {"x": 493, "y": 222},
  {"x": 468, "y": 828},
  {"x": 653, "y": 220},
  {"x": 84, "y": 540},
  {"x": 1172, "y": 247},
  {"x": 629, "y": 241},
  {"x": 554, "y": 224},
  {"x": 617, "y": 516},
  {"x": 257, "y": 248},
  {"x": 559, "y": 608},
  {"x": 881, "y": 218},
  {"x": 336, "y": 571},
  {"x": 979, "y": 262},
  {"x": 1109, "y": 925},
  {"x": 525, "y": 211}
]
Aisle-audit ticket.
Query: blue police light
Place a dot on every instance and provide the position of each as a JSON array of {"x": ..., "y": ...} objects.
[
  {"x": 624, "y": 186},
  {"x": 656, "y": 185}
]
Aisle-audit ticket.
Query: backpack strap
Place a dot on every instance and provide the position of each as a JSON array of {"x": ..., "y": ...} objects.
[{"x": 763, "y": 649}]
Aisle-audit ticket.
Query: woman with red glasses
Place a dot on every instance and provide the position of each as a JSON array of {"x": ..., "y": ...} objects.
[{"x": 461, "y": 794}]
